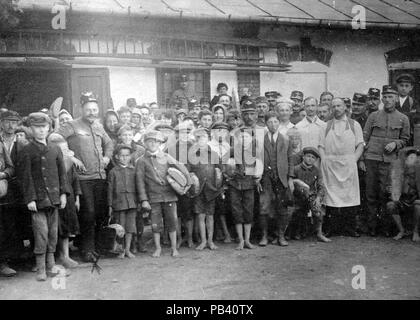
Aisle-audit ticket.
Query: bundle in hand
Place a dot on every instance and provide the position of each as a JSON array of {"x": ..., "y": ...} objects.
[{"x": 177, "y": 181}]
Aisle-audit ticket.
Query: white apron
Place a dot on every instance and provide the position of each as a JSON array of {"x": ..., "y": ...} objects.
[{"x": 339, "y": 169}]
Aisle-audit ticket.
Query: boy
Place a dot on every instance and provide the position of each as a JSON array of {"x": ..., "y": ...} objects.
[
  {"x": 204, "y": 163},
  {"x": 409, "y": 199},
  {"x": 205, "y": 119},
  {"x": 45, "y": 188},
  {"x": 126, "y": 137},
  {"x": 309, "y": 190},
  {"x": 122, "y": 195},
  {"x": 405, "y": 103},
  {"x": 154, "y": 192},
  {"x": 124, "y": 114}
]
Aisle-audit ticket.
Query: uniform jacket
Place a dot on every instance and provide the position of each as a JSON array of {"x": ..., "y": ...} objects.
[
  {"x": 284, "y": 158},
  {"x": 44, "y": 176},
  {"x": 382, "y": 128},
  {"x": 151, "y": 183},
  {"x": 122, "y": 188},
  {"x": 362, "y": 118},
  {"x": 90, "y": 143}
]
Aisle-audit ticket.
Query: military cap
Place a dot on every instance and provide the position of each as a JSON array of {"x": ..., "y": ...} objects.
[
  {"x": 311, "y": 150},
  {"x": 374, "y": 93},
  {"x": 220, "y": 125},
  {"x": 359, "y": 98},
  {"x": 10, "y": 115},
  {"x": 405, "y": 77},
  {"x": 248, "y": 106},
  {"x": 389, "y": 89},
  {"x": 164, "y": 126},
  {"x": 347, "y": 102},
  {"x": 153, "y": 134},
  {"x": 88, "y": 97},
  {"x": 272, "y": 94},
  {"x": 297, "y": 95},
  {"x": 260, "y": 99},
  {"x": 39, "y": 119},
  {"x": 122, "y": 146},
  {"x": 199, "y": 132}
]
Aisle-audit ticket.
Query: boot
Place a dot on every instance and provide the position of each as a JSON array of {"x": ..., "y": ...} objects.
[
  {"x": 283, "y": 223},
  {"x": 41, "y": 274},
  {"x": 6, "y": 271},
  {"x": 50, "y": 265}
]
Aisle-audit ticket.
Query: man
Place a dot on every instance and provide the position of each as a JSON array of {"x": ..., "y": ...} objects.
[
  {"x": 326, "y": 97},
  {"x": 347, "y": 102},
  {"x": 146, "y": 116},
  {"x": 272, "y": 98},
  {"x": 262, "y": 109},
  {"x": 90, "y": 143},
  {"x": 297, "y": 98},
  {"x": 9, "y": 122},
  {"x": 358, "y": 111},
  {"x": 374, "y": 100},
  {"x": 131, "y": 103},
  {"x": 311, "y": 127},
  {"x": 386, "y": 131},
  {"x": 340, "y": 149},
  {"x": 323, "y": 112},
  {"x": 247, "y": 173},
  {"x": 284, "y": 110},
  {"x": 184, "y": 93}
]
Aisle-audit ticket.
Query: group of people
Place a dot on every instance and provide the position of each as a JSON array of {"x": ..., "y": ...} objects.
[{"x": 275, "y": 169}]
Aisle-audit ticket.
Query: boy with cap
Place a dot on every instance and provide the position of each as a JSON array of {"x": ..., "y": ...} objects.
[
  {"x": 121, "y": 194},
  {"x": 406, "y": 104},
  {"x": 272, "y": 97},
  {"x": 308, "y": 193},
  {"x": 154, "y": 192},
  {"x": 45, "y": 189}
]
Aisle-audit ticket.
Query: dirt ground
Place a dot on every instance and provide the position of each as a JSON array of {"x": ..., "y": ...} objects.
[{"x": 303, "y": 270}]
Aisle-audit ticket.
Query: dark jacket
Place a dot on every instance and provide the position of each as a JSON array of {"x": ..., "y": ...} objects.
[
  {"x": 122, "y": 188},
  {"x": 151, "y": 172},
  {"x": 44, "y": 176},
  {"x": 284, "y": 158},
  {"x": 90, "y": 143}
]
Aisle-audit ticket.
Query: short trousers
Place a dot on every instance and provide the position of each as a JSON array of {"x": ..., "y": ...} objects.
[
  {"x": 163, "y": 211},
  {"x": 400, "y": 207},
  {"x": 202, "y": 206},
  {"x": 127, "y": 219},
  {"x": 242, "y": 204}
]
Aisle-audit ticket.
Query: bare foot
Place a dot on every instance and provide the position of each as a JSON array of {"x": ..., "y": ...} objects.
[
  {"x": 121, "y": 255},
  {"x": 240, "y": 245},
  {"x": 323, "y": 238},
  {"x": 399, "y": 236},
  {"x": 202, "y": 246},
  {"x": 263, "y": 242},
  {"x": 175, "y": 253},
  {"x": 275, "y": 241},
  {"x": 416, "y": 237},
  {"x": 157, "y": 252},
  {"x": 228, "y": 240},
  {"x": 249, "y": 245},
  {"x": 129, "y": 255},
  {"x": 212, "y": 246},
  {"x": 190, "y": 243}
]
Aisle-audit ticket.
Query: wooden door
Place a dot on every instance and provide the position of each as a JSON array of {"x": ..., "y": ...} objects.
[{"x": 90, "y": 79}]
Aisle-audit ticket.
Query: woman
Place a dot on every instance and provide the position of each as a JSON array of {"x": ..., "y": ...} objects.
[
  {"x": 64, "y": 116},
  {"x": 219, "y": 113},
  {"x": 111, "y": 127}
]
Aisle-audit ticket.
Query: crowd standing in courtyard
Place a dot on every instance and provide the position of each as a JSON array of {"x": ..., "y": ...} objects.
[{"x": 202, "y": 171}]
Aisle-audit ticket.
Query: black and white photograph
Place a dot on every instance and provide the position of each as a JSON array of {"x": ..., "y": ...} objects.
[{"x": 209, "y": 154}]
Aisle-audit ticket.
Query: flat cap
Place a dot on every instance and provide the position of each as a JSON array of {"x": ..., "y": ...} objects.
[
  {"x": 10, "y": 115},
  {"x": 248, "y": 106},
  {"x": 359, "y": 98},
  {"x": 220, "y": 125},
  {"x": 88, "y": 97},
  {"x": 374, "y": 93},
  {"x": 297, "y": 95},
  {"x": 389, "y": 89},
  {"x": 181, "y": 111},
  {"x": 39, "y": 119},
  {"x": 153, "y": 134},
  {"x": 199, "y": 132},
  {"x": 122, "y": 146},
  {"x": 405, "y": 77},
  {"x": 272, "y": 94},
  {"x": 164, "y": 126},
  {"x": 311, "y": 150}
]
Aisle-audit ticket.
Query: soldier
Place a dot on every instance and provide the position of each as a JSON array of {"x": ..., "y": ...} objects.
[
  {"x": 184, "y": 93},
  {"x": 374, "y": 100},
  {"x": 386, "y": 131},
  {"x": 326, "y": 97},
  {"x": 297, "y": 98},
  {"x": 358, "y": 111},
  {"x": 347, "y": 102},
  {"x": 272, "y": 97},
  {"x": 262, "y": 109}
]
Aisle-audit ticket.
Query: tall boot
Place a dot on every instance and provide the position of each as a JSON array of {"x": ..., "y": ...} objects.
[{"x": 41, "y": 274}]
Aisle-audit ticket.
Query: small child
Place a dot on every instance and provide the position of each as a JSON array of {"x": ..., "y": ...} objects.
[
  {"x": 205, "y": 164},
  {"x": 154, "y": 192},
  {"x": 45, "y": 188},
  {"x": 309, "y": 190},
  {"x": 122, "y": 195}
]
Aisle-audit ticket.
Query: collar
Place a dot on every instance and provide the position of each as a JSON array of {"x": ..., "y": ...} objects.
[
  {"x": 343, "y": 119},
  {"x": 305, "y": 167},
  {"x": 156, "y": 154},
  {"x": 311, "y": 121}
]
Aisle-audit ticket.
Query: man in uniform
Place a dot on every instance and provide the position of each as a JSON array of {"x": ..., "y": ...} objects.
[
  {"x": 386, "y": 131},
  {"x": 184, "y": 93},
  {"x": 374, "y": 100},
  {"x": 272, "y": 98},
  {"x": 297, "y": 98},
  {"x": 359, "y": 108}
]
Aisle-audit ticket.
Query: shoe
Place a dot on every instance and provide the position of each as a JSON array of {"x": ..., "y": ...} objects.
[
  {"x": 6, "y": 271},
  {"x": 282, "y": 242},
  {"x": 67, "y": 263},
  {"x": 41, "y": 274}
]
